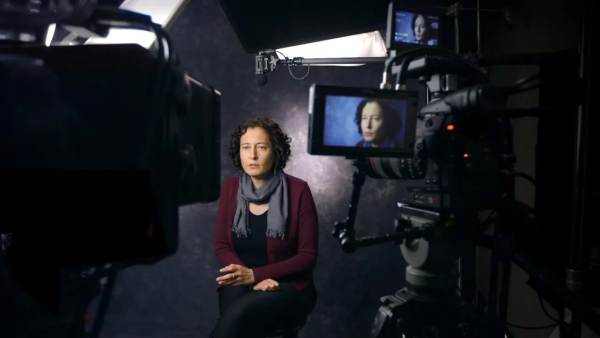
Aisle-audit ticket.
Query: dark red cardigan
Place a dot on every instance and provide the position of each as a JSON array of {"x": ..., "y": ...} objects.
[{"x": 293, "y": 257}]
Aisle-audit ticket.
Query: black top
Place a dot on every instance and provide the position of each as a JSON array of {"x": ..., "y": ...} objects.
[{"x": 252, "y": 250}]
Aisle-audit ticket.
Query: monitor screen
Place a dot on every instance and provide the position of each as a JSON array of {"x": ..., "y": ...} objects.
[
  {"x": 416, "y": 28},
  {"x": 361, "y": 121}
]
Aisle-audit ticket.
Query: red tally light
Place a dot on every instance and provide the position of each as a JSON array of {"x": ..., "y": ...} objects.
[
  {"x": 450, "y": 127},
  {"x": 466, "y": 155}
]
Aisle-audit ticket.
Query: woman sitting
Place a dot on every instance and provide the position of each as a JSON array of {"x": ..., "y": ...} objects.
[{"x": 266, "y": 237}]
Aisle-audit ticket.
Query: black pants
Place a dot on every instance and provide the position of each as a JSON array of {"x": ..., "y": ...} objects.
[{"x": 252, "y": 314}]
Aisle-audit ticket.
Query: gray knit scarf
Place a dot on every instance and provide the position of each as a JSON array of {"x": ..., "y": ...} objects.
[{"x": 275, "y": 191}]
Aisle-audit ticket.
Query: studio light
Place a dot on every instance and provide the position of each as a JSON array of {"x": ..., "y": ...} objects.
[
  {"x": 163, "y": 12},
  {"x": 362, "y": 45}
]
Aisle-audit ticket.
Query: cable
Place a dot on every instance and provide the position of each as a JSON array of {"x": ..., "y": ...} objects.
[
  {"x": 525, "y": 176},
  {"x": 301, "y": 77},
  {"x": 488, "y": 219},
  {"x": 525, "y": 80},
  {"x": 512, "y": 91},
  {"x": 519, "y": 85},
  {"x": 295, "y": 77},
  {"x": 278, "y": 52},
  {"x": 541, "y": 327},
  {"x": 557, "y": 321}
]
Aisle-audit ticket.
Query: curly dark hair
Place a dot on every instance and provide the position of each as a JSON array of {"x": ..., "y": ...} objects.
[{"x": 279, "y": 140}]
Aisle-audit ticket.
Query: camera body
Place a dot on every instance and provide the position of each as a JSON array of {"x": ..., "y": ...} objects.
[
  {"x": 462, "y": 146},
  {"x": 105, "y": 142},
  {"x": 458, "y": 165},
  {"x": 453, "y": 150}
]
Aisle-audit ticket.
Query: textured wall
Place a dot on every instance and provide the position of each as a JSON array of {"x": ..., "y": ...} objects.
[{"x": 176, "y": 297}]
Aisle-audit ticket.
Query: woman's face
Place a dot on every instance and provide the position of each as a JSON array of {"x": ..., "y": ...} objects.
[
  {"x": 420, "y": 28},
  {"x": 371, "y": 122},
  {"x": 256, "y": 153}
]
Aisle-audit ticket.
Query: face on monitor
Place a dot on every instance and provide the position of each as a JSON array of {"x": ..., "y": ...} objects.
[
  {"x": 358, "y": 121},
  {"x": 416, "y": 28}
]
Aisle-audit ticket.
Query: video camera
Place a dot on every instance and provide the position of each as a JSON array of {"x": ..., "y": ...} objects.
[
  {"x": 453, "y": 149},
  {"x": 411, "y": 26},
  {"x": 461, "y": 135},
  {"x": 99, "y": 144}
]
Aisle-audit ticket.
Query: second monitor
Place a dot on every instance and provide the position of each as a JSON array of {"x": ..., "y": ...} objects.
[{"x": 354, "y": 122}]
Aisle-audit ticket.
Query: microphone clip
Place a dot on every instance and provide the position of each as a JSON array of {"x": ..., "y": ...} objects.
[{"x": 265, "y": 62}]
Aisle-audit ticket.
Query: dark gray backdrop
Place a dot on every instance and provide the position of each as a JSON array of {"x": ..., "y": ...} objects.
[{"x": 176, "y": 297}]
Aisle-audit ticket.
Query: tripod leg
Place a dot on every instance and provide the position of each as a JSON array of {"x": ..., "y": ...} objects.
[{"x": 106, "y": 293}]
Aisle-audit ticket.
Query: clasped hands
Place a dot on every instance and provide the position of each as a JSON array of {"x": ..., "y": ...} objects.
[{"x": 235, "y": 275}]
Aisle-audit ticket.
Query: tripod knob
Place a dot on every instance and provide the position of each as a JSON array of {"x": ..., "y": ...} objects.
[
  {"x": 338, "y": 228},
  {"x": 345, "y": 235}
]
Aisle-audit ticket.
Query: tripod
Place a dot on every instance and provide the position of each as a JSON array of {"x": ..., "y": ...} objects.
[
  {"x": 433, "y": 245},
  {"x": 430, "y": 306},
  {"x": 420, "y": 313}
]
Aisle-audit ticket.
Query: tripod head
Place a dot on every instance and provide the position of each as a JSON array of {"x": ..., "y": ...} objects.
[{"x": 430, "y": 242}]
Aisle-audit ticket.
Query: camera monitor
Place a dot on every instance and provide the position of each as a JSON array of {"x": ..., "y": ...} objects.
[
  {"x": 356, "y": 122},
  {"x": 410, "y": 27}
]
